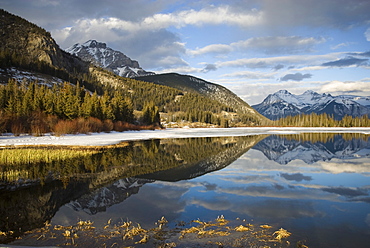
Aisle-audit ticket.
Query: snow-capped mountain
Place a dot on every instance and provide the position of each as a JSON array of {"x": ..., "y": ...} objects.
[
  {"x": 100, "y": 55},
  {"x": 283, "y": 103}
]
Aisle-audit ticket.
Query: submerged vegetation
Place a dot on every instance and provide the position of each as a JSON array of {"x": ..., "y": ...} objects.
[{"x": 218, "y": 233}]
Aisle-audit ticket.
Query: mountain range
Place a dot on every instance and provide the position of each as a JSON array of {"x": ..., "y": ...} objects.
[{"x": 283, "y": 103}]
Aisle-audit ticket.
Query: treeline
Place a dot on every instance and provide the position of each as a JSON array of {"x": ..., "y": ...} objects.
[
  {"x": 36, "y": 108},
  {"x": 322, "y": 120}
]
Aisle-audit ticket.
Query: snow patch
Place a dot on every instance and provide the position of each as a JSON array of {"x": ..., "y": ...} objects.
[{"x": 101, "y": 139}]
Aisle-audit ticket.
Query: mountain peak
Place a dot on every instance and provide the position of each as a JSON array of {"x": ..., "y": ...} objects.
[
  {"x": 102, "y": 56},
  {"x": 309, "y": 92},
  {"x": 94, "y": 43},
  {"x": 272, "y": 98},
  {"x": 283, "y": 92}
]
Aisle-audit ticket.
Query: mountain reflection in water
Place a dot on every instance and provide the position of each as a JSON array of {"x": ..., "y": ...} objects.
[{"x": 314, "y": 185}]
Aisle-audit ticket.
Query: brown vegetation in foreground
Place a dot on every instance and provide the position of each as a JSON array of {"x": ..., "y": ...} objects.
[
  {"x": 218, "y": 233},
  {"x": 40, "y": 123}
]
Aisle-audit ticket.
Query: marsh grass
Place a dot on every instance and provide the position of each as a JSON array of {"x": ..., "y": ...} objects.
[
  {"x": 15, "y": 156},
  {"x": 38, "y": 163}
]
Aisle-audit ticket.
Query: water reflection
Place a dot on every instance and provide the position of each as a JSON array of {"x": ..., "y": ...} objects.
[
  {"x": 313, "y": 147},
  {"x": 314, "y": 185},
  {"x": 31, "y": 198}
]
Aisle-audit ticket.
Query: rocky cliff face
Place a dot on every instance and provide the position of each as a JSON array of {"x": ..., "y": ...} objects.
[
  {"x": 100, "y": 55},
  {"x": 29, "y": 44}
]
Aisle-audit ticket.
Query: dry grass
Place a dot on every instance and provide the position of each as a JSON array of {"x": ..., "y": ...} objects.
[
  {"x": 219, "y": 232},
  {"x": 34, "y": 155}
]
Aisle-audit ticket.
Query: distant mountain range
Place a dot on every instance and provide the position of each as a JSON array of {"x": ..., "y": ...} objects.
[
  {"x": 100, "y": 55},
  {"x": 283, "y": 103}
]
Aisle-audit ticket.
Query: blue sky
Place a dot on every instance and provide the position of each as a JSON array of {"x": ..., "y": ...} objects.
[{"x": 253, "y": 47}]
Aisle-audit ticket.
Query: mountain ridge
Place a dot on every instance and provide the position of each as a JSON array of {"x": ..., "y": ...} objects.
[
  {"x": 283, "y": 103},
  {"x": 194, "y": 84}
]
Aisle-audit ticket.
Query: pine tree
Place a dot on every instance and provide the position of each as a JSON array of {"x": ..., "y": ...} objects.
[{"x": 151, "y": 114}]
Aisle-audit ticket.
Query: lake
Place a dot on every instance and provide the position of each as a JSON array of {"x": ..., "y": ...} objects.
[{"x": 314, "y": 185}]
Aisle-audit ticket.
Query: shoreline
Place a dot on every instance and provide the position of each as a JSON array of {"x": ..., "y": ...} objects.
[{"x": 112, "y": 138}]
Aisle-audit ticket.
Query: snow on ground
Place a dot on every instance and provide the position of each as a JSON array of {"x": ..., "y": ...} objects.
[{"x": 101, "y": 139}]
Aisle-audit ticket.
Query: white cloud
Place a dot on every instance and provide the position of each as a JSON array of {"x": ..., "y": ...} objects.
[
  {"x": 213, "y": 15},
  {"x": 214, "y": 48},
  {"x": 346, "y": 87},
  {"x": 367, "y": 34},
  {"x": 344, "y": 44},
  {"x": 310, "y": 68},
  {"x": 337, "y": 166}
]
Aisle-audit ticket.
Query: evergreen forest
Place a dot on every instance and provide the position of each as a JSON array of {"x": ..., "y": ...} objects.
[{"x": 322, "y": 120}]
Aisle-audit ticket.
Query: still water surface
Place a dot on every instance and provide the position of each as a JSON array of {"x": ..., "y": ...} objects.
[{"x": 316, "y": 186}]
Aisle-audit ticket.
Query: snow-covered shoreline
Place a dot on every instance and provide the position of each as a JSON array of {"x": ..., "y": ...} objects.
[{"x": 101, "y": 139}]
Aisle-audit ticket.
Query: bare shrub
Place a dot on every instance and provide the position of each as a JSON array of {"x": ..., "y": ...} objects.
[
  {"x": 82, "y": 125},
  {"x": 65, "y": 127},
  {"x": 5, "y": 121},
  {"x": 17, "y": 127},
  {"x": 107, "y": 126},
  {"x": 38, "y": 124},
  {"x": 95, "y": 125},
  {"x": 121, "y": 126}
]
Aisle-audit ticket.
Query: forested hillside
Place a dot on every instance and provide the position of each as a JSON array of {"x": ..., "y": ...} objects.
[{"x": 83, "y": 91}]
